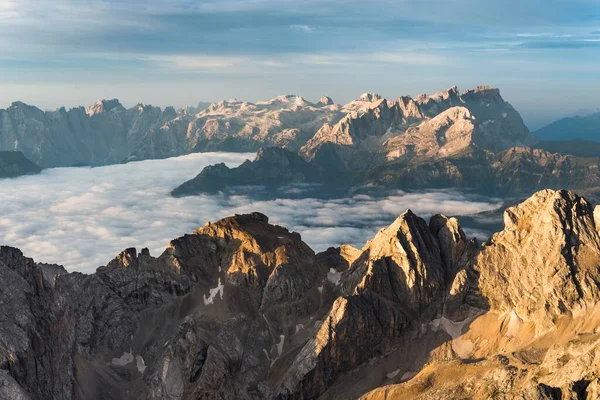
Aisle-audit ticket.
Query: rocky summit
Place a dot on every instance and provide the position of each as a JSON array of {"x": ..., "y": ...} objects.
[{"x": 243, "y": 309}]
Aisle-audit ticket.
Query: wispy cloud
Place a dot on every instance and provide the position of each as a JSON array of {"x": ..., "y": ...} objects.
[
  {"x": 544, "y": 35},
  {"x": 184, "y": 62},
  {"x": 391, "y": 57},
  {"x": 303, "y": 28}
]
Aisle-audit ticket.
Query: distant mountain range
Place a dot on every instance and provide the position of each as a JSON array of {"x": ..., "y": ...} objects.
[
  {"x": 473, "y": 139},
  {"x": 448, "y": 139},
  {"x": 585, "y": 127},
  {"x": 108, "y": 133}
]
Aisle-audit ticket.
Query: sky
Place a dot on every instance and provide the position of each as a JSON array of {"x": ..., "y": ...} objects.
[
  {"x": 83, "y": 217},
  {"x": 544, "y": 55}
]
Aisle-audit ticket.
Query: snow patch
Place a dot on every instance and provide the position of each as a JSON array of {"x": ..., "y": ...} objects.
[
  {"x": 504, "y": 115},
  {"x": 320, "y": 289},
  {"x": 126, "y": 358},
  {"x": 393, "y": 374},
  {"x": 461, "y": 347},
  {"x": 407, "y": 375},
  {"x": 514, "y": 325},
  {"x": 334, "y": 276},
  {"x": 140, "y": 364},
  {"x": 213, "y": 293},
  {"x": 280, "y": 344}
]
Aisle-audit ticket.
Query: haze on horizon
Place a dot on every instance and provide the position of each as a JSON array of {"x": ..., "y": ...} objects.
[{"x": 543, "y": 55}]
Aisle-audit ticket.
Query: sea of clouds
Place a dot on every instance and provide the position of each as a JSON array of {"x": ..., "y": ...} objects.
[{"x": 82, "y": 217}]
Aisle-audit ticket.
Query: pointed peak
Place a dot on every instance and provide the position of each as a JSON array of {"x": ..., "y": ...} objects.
[
  {"x": 370, "y": 97},
  {"x": 546, "y": 204},
  {"x": 287, "y": 98},
  {"x": 104, "y": 106},
  {"x": 325, "y": 101},
  {"x": 19, "y": 104}
]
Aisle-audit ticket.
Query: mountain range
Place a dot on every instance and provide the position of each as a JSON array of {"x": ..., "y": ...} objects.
[
  {"x": 108, "y": 133},
  {"x": 472, "y": 139},
  {"x": 243, "y": 309},
  {"x": 577, "y": 127}
]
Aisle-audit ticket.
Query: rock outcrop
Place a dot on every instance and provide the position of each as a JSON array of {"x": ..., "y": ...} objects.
[{"x": 14, "y": 163}]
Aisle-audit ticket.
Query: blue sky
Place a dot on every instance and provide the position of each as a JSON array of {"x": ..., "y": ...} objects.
[{"x": 543, "y": 55}]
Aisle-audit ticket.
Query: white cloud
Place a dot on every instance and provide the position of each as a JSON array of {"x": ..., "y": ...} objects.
[
  {"x": 303, "y": 28},
  {"x": 400, "y": 56},
  {"x": 196, "y": 61},
  {"x": 544, "y": 35},
  {"x": 82, "y": 217}
]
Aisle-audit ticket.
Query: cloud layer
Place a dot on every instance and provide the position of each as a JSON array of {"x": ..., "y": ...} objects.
[{"x": 82, "y": 217}]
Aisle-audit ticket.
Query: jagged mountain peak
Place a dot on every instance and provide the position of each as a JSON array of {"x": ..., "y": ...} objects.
[
  {"x": 326, "y": 101},
  {"x": 104, "y": 106},
  {"x": 288, "y": 98},
  {"x": 19, "y": 104},
  {"x": 444, "y": 95},
  {"x": 370, "y": 97},
  {"x": 453, "y": 113}
]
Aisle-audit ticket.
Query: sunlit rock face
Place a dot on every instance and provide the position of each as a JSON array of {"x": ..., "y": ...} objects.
[
  {"x": 442, "y": 124},
  {"x": 242, "y": 308}
]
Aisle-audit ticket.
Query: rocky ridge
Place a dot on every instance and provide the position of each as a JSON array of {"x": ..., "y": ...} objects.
[{"x": 245, "y": 309}]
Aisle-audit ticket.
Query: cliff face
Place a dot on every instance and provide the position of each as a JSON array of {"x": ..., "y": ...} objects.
[
  {"x": 245, "y": 309},
  {"x": 14, "y": 163}
]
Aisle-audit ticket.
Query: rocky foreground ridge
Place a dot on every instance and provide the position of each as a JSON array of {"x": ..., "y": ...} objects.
[{"x": 242, "y": 309}]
